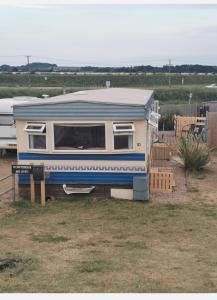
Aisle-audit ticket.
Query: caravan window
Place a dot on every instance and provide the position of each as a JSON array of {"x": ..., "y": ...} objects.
[
  {"x": 79, "y": 137},
  {"x": 37, "y": 138},
  {"x": 6, "y": 120},
  {"x": 37, "y": 141},
  {"x": 35, "y": 127},
  {"x": 123, "y": 127},
  {"x": 123, "y": 136}
]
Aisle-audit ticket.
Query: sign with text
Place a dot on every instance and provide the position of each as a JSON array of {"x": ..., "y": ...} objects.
[{"x": 21, "y": 169}]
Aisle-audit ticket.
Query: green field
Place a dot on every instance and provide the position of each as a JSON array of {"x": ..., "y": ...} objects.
[{"x": 53, "y": 84}]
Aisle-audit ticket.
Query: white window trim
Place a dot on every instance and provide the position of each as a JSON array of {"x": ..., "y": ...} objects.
[
  {"x": 124, "y": 132},
  {"x": 37, "y": 150},
  {"x": 115, "y": 130},
  {"x": 43, "y": 125},
  {"x": 77, "y": 151}
]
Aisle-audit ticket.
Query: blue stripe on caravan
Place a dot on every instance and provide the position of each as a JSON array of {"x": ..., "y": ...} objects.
[
  {"x": 86, "y": 178},
  {"x": 39, "y": 156}
]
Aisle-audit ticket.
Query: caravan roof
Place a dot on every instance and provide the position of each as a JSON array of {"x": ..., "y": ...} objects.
[
  {"x": 124, "y": 96},
  {"x": 6, "y": 104}
]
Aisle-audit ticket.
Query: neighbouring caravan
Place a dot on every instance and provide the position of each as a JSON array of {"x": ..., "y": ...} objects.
[
  {"x": 96, "y": 137},
  {"x": 7, "y": 124}
]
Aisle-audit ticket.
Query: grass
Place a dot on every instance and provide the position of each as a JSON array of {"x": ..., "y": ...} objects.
[
  {"x": 131, "y": 245},
  {"x": 49, "y": 238},
  {"x": 112, "y": 246},
  {"x": 94, "y": 266}
]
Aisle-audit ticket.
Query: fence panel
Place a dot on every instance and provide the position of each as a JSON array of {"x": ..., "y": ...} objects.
[
  {"x": 212, "y": 128},
  {"x": 161, "y": 179},
  {"x": 182, "y": 124},
  {"x": 161, "y": 151}
]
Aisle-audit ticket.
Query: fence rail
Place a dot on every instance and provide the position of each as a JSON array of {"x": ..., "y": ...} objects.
[{"x": 5, "y": 185}]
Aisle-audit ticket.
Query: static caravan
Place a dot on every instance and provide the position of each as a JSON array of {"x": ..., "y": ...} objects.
[
  {"x": 7, "y": 125},
  {"x": 96, "y": 137}
]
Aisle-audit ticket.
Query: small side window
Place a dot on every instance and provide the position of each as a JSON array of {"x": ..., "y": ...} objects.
[
  {"x": 37, "y": 139},
  {"x": 123, "y": 136},
  {"x": 123, "y": 127},
  {"x": 35, "y": 127}
]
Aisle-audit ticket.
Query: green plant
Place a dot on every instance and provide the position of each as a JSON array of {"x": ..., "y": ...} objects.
[
  {"x": 195, "y": 155},
  {"x": 167, "y": 122},
  {"x": 49, "y": 238},
  {"x": 94, "y": 266}
]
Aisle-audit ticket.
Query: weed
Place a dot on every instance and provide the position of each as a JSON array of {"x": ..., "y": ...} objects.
[
  {"x": 49, "y": 238},
  {"x": 194, "y": 154},
  {"x": 62, "y": 223},
  {"x": 94, "y": 266},
  {"x": 192, "y": 189},
  {"x": 21, "y": 204},
  {"x": 132, "y": 245}
]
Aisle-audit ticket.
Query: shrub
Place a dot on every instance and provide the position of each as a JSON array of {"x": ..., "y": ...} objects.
[
  {"x": 167, "y": 122},
  {"x": 195, "y": 155}
]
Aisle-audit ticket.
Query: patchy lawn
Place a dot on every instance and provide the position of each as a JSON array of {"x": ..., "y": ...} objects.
[{"x": 111, "y": 246}]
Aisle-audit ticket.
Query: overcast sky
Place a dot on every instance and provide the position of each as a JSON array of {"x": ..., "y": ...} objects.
[{"x": 108, "y": 35}]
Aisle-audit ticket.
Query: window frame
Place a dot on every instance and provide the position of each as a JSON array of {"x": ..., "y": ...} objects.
[
  {"x": 115, "y": 130},
  {"x": 77, "y": 150},
  {"x": 43, "y": 126},
  {"x": 36, "y": 132},
  {"x": 40, "y": 134},
  {"x": 9, "y": 124},
  {"x": 123, "y": 132}
]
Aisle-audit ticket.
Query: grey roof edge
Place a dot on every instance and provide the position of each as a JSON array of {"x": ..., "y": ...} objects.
[
  {"x": 75, "y": 101},
  {"x": 47, "y": 102}
]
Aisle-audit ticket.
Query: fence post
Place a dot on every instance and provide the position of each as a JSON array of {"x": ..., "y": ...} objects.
[
  {"x": 43, "y": 192},
  {"x": 16, "y": 186},
  {"x": 32, "y": 189}
]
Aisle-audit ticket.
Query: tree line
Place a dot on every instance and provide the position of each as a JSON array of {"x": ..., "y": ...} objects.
[{"x": 47, "y": 67}]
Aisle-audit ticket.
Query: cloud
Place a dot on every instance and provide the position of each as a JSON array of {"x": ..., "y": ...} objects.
[
  {"x": 34, "y": 3},
  {"x": 48, "y": 3}
]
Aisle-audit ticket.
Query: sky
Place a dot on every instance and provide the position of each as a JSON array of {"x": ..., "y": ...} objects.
[{"x": 107, "y": 35}]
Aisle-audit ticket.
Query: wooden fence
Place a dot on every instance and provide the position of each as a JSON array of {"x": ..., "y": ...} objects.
[
  {"x": 160, "y": 151},
  {"x": 182, "y": 124},
  {"x": 161, "y": 179},
  {"x": 212, "y": 128}
]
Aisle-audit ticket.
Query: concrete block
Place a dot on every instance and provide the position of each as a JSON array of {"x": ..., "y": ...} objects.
[{"x": 126, "y": 194}]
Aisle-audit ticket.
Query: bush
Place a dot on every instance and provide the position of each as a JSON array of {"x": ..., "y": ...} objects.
[
  {"x": 167, "y": 122},
  {"x": 195, "y": 155}
]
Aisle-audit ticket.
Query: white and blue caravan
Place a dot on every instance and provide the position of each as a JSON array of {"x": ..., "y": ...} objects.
[{"x": 93, "y": 137}]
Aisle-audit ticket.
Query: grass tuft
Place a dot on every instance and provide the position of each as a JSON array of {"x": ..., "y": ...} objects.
[
  {"x": 62, "y": 223},
  {"x": 192, "y": 189},
  {"x": 21, "y": 204},
  {"x": 195, "y": 155},
  {"x": 49, "y": 238},
  {"x": 131, "y": 245},
  {"x": 94, "y": 266}
]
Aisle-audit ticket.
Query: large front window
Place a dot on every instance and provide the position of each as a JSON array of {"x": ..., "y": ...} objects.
[{"x": 79, "y": 136}]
